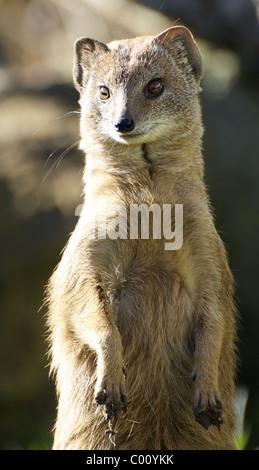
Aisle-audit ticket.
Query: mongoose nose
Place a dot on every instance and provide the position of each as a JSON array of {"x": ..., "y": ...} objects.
[{"x": 125, "y": 125}]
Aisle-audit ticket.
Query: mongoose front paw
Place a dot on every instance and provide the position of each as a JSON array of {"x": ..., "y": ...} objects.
[
  {"x": 208, "y": 409},
  {"x": 112, "y": 396}
]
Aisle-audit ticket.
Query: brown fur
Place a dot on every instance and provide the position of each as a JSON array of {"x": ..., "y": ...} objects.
[{"x": 167, "y": 318}]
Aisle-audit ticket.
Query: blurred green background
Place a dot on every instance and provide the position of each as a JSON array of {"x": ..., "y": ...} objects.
[{"x": 41, "y": 169}]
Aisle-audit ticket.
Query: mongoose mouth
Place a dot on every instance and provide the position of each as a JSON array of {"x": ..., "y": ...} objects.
[{"x": 129, "y": 137}]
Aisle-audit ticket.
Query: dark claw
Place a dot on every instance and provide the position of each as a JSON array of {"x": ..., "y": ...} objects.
[
  {"x": 100, "y": 398},
  {"x": 108, "y": 410},
  {"x": 112, "y": 410}
]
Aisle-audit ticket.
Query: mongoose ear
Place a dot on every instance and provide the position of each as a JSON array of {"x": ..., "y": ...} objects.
[
  {"x": 85, "y": 52},
  {"x": 187, "y": 47}
]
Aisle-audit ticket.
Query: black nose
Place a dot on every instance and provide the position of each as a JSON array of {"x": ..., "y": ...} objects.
[{"x": 125, "y": 125}]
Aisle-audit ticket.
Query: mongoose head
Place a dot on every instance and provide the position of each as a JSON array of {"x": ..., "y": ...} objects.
[{"x": 138, "y": 90}]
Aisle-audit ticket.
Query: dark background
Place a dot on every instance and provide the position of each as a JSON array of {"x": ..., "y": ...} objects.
[{"x": 41, "y": 168}]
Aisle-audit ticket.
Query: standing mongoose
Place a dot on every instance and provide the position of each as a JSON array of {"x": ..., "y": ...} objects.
[{"x": 142, "y": 337}]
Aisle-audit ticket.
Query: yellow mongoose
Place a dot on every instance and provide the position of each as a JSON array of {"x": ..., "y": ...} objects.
[{"x": 142, "y": 335}]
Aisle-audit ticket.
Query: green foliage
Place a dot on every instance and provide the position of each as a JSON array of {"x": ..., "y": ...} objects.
[
  {"x": 42, "y": 443},
  {"x": 242, "y": 435}
]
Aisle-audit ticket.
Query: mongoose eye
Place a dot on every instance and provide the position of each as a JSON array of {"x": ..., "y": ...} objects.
[
  {"x": 155, "y": 87},
  {"x": 104, "y": 93}
]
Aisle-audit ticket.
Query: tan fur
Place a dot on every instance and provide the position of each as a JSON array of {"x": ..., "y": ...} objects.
[{"x": 165, "y": 317}]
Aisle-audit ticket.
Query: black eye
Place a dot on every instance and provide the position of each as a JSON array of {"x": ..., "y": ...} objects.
[
  {"x": 104, "y": 93},
  {"x": 155, "y": 87}
]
